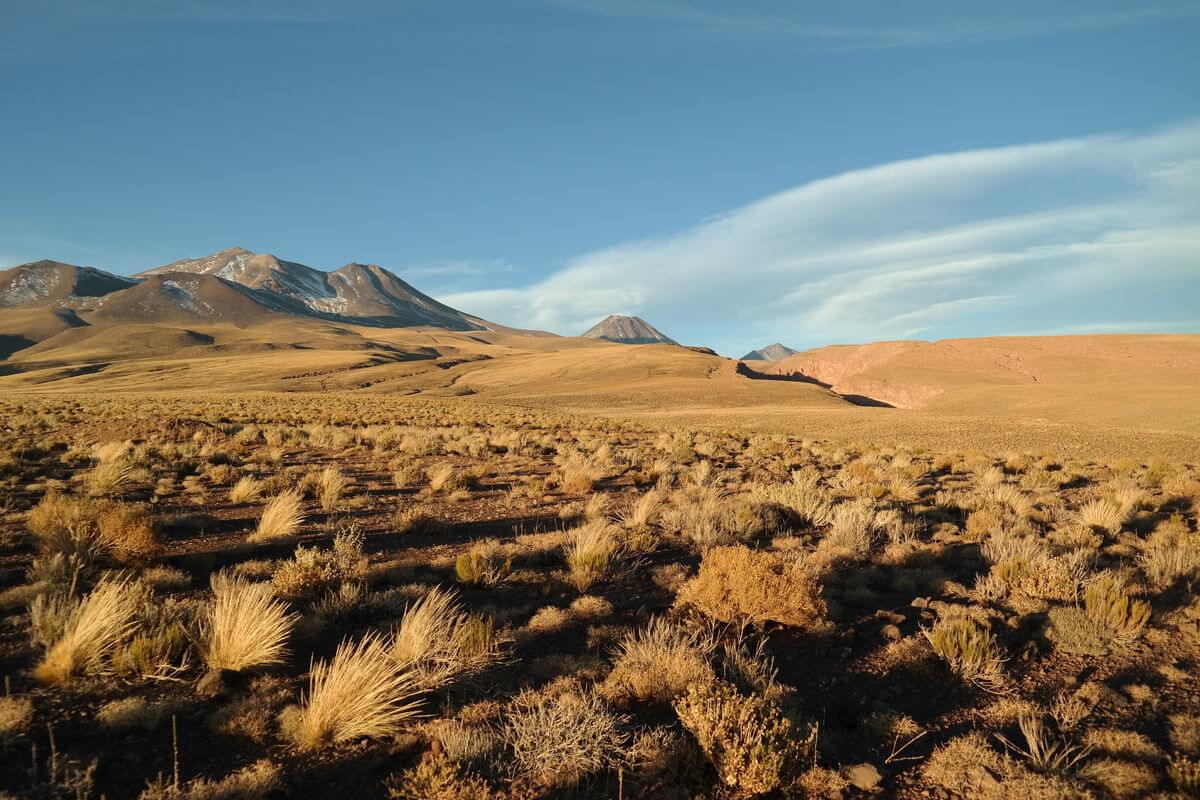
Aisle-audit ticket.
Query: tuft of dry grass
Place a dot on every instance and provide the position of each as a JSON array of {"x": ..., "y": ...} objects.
[
  {"x": 437, "y": 641},
  {"x": 91, "y": 632},
  {"x": 969, "y": 650},
  {"x": 590, "y": 553},
  {"x": 361, "y": 693},
  {"x": 1102, "y": 515},
  {"x": 244, "y": 626},
  {"x": 16, "y": 715},
  {"x": 281, "y": 518},
  {"x": 659, "y": 663},
  {"x": 248, "y": 489},
  {"x": 332, "y": 483}
]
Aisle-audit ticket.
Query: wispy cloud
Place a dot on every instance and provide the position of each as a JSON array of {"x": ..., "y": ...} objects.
[
  {"x": 799, "y": 22},
  {"x": 1045, "y": 235}
]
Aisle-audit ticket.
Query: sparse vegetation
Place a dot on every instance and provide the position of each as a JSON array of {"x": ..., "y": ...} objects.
[{"x": 1021, "y": 620}]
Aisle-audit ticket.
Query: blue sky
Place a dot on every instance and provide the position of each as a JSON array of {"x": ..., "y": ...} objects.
[{"x": 737, "y": 173}]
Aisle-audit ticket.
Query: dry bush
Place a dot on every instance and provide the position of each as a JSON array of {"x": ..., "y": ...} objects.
[
  {"x": 437, "y": 778},
  {"x": 1119, "y": 778},
  {"x": 803, "y": 496},
  {"x": 559, "y": 739},
  {"x": 128, "y": 531},
  {"x": 754, "y": 747},
  {"x": 258, "y": 781},
  {"x": 248, "y": 489},
  {"x": 590, "y": 553},
  {"x": 244, "y": 627},
  {"x": 659, "y": 662},
  {"x": 485, "y": 564},
  {"x": 744, "y": 586},
  {"x": 1185, "y": 733},
  {"x": 853, "y": 528},
  {"x": 132, "y": 713},
  {"x": 312, "y": 572},
  {"x": 1185, "y": 774},
  {"x": 1170, "y": 554},
  {"x": 68, "y": 525},
  {"x": 109, "y": 478},
  {"x": 418, "y": 521},
  {"x": 332, "y": 483},
  {"x": 577, "y": 474},
  {"x": 437, "y": 641},
  {"x": 1042, "y": 749},
  {"x": 281, "y": 518},
  {"x": 95, "y": 626},
  {"x": 1109, "y": 605},
  {"x": 969, "y": 650},
  {"x": 448, "y": 478},
  {"x": 361, "y": 693},
  {"x": 16, "y": 715}
]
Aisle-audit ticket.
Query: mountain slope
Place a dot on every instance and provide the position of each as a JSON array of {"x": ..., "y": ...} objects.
[
  {"x": 365, "y": 294},
  {"x": 772, "y": 352},
  {"x": 187, "y": 298},
  {"x": 43, "y": 283},
  {"x": 627, "y": 330},
  {"x": 1115, "y": 379}
]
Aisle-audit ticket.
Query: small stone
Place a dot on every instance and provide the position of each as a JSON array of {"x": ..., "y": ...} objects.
[
  {"x": 920, "y": 602},
  {"x": 214, "y": 683},
  {"x": 891, "y": 632},
  {"x": 863, "y": 776},
  {"x": 895, "y": 619}
]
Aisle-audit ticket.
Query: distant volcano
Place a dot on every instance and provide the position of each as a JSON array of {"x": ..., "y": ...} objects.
[
  {"x": 627, "y": 330},
  {"x": 772, "y": 352}
]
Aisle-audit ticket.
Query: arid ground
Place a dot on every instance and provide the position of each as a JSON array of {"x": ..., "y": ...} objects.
[{"x": 372, "y": 594}]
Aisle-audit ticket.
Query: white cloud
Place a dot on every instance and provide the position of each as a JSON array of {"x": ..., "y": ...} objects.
[
  {"x": 800, "y": 23},
  {"x": 920, "y": 245}
]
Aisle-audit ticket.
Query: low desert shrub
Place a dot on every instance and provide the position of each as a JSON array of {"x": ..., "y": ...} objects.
[
  {"x": 312, "y": 572},
  {"x": 361, "y": 693},
  {"x": 244, "y": 626},
  {"x": 744, "y": 586},
  {"x": 969, "y": 650},
  {"x": 557, "y": 740},
  {"x": 281, "y": 518},
  {"x": 853, "y": 528},
  {"x": 132, "y": 713},
  {"x": 255, "y": 782},
  {"x": 16, "y": 715},
  {"x": 437, "y": 778},
  {"x": 803, "y": 496},
  {"x": 752, "y": 745},
  {"x": 1110, "y": 606},
  {"x": 485, "y": 564},
  {"x": 659, "y": 662},
  {"x": 416, "y": 520},
  {"x": 128, "y": 531}
]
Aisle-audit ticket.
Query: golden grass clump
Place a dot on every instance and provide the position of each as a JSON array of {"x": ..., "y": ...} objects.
[
  {"x": 590, "y": 553},
  {"x": 485, "y": 564},
  {"x": 803, "y": 496},
  {"x": 361, "y": 693},
  {"x": 281, "y": 518},
  {"x": 16, "y": 715},
  {"x": 332, "y": 483},
  {"x": 1109, "y": 605},
  {"x": 658, "y": 662},
  {"x": 970, "y": 651},
  {"x": 244, "y": 626},
  {"x": 92, "y": 630},
  {"x": 437, "y": 641},
  {"x": 753, "y": 746},
  {"x": 248, "y": 489},
  {"x": 748, "y": 587},
  {"x": 1102, "y": 515}
]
